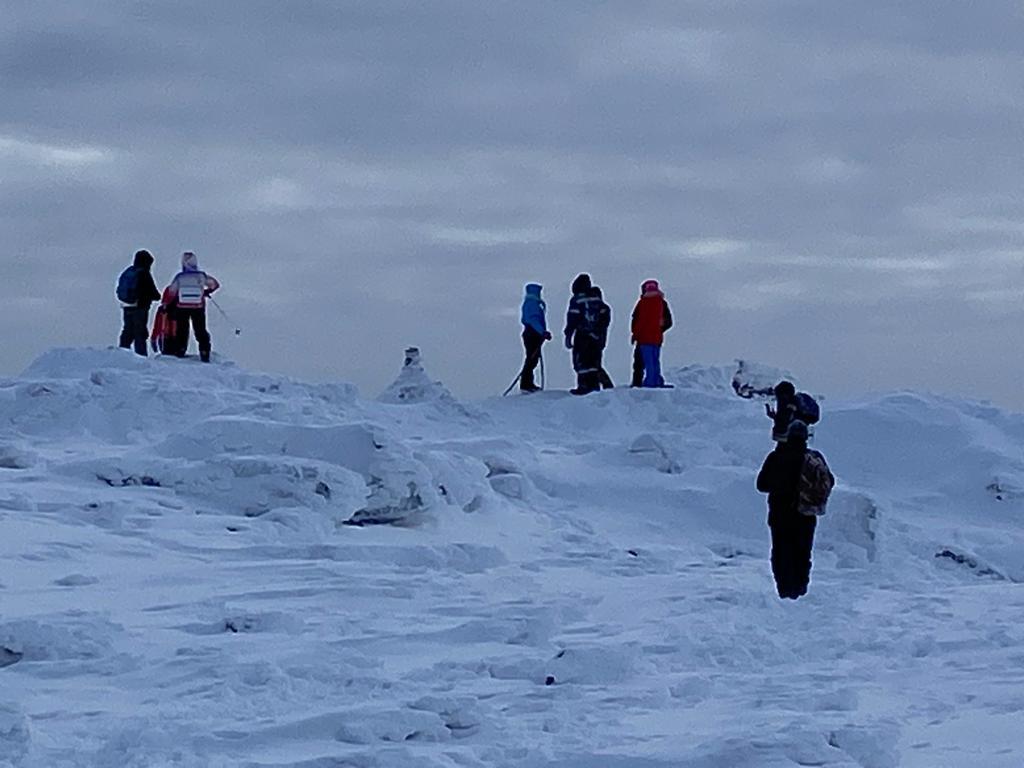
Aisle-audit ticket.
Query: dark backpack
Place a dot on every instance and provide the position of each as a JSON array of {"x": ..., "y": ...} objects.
[
  {"x": 807, "y": 409},
  {"x": 127, "y": 286},
  {"x": 816, "y": 483},
  {"x": 590, "y": 315}
]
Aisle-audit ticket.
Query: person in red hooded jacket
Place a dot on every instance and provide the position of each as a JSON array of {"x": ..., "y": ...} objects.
[{"x": 651, "y": 318}]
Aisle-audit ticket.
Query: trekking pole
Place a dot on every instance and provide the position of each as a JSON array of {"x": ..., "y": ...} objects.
[
  {"x": 513, "y": 384},
  {"x": 238, "y": 331},
  {"x": 543, "y": 378}
]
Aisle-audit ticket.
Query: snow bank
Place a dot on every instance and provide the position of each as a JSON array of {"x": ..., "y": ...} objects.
[{"x": 206, "y": 566}]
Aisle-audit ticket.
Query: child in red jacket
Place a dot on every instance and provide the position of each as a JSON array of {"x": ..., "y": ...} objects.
[{"x": 651, "y": 318}]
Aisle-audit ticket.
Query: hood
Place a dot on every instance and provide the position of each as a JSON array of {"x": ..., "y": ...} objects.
[
  {"x": 534, "y": 289},
  {"x": 143, "y": 259},
  {"x": 650, "y": 288},
  {"x": 189, "y": 262},
  {"x": 785, "y": 390},
  {"x": 581, "y": 284}
]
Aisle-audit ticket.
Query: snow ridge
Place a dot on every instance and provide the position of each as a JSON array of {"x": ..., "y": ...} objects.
[{"x": 202, "y": 566}]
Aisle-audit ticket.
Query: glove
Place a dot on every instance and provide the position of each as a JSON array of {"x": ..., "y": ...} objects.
[
  {"x": 568, "y": 342},
  {"x": 547, "y": 335}
]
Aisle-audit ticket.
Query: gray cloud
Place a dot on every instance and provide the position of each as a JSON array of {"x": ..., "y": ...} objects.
[{"x": 833, "y": 187}]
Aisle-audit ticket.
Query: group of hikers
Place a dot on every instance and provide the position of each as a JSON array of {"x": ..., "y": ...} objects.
[
  {"x": 586, "y": 334},
  {"x": 796, "y": 478},
  {"x": 182, "y": 305}
]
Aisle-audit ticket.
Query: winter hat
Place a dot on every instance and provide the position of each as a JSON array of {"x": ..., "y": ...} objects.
[
  {"x": 533, "y": 289},
  {"x": 650, "y": 286},
  {"x": 785, "y": 389},
  {"x": 143, "y": 258},
  {"x": 797, "y": 432},
  {"x": 189, "y": 262},
  {"x": 581, "y": 284}
]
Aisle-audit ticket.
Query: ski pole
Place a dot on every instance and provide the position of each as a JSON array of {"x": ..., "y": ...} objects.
[
  {"x": 512, "y": 385},
  {"x": 238, "y": 331}
]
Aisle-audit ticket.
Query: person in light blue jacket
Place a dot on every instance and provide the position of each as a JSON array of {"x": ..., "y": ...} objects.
[{"x": 535, "y": 333}]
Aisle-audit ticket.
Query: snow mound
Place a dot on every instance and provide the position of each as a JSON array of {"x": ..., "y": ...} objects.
[
  {"x": 413, "y": 385},
  {"x": 206, "y": 566}
]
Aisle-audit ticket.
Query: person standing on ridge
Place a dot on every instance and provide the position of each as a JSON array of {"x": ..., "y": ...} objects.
[
  {"x": 136, "y": 291},
  {"x": 535, "y": 333},
  {"x": 798, "y": 483},
  {"x": 603, "y": 321},
  {"x": 581, "y": 322},
  {"x": 790, "y": 406},
  {"x": 651, "y": 318},
  {"x": 188, "y": 293}
]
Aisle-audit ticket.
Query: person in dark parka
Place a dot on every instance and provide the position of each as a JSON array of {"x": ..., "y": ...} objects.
[
  {"x": 792, "y": 532},
  {"x": 581, "y": 336},
  {"x": 784, "y": 411},
  {"x": 135, "y": 305}
]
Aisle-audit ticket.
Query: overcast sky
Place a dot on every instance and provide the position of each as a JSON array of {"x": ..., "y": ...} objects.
[{"x": 830, "y": 187}]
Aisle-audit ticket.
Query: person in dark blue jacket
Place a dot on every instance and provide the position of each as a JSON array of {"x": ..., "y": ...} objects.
[
  {"x": 535, "y": 333},
  {"x": 582, "y": 335},
  {"x": 137, "y": 291}
]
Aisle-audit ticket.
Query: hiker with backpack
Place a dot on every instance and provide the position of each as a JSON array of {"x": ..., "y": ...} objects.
[
  {"x": 535, "y": 333},
  {"x": 582, "y": 336},
  {"x": 651, "y": 318},
  {"x": 187, "y": 296},
  {"x": 790, "y": 406},
  {"x": 136, "y": 291},
  {"x": 798, "y": 482}
]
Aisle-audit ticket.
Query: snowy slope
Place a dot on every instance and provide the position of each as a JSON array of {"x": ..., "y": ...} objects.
[{"x": 190, "y": 575}]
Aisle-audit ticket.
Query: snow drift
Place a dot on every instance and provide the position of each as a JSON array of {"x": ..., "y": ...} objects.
[{"x": 202, "y": 566}]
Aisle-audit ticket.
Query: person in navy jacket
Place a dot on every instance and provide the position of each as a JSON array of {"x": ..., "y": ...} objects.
[{"x": 535, "y": 333}]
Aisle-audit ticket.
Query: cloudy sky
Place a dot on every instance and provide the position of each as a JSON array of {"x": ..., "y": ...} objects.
[{"x": 832, "y": 187}]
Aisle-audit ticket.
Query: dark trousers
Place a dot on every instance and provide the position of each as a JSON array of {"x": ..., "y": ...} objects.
[
  {"x": 586, "y": 361},
  {"x": 792, "y": 540},
  {"x": 532, "y": 342},
  {"x": 638, "y": 367},
  {"x": 135, "y": 331},
  {"x": 197, "y": 319}
]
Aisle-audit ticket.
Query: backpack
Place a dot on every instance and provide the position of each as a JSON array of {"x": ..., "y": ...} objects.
[
  {"x": 590, "y": 315},
  {"x": 191, "y": 290},
  {"x": 807, "y": 409},
  {"x": 127, "y": 286},
  {"x": 816, "y": 483}
]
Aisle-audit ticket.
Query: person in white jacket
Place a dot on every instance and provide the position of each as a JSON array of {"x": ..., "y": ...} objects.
[{"x": 187, "y": 294}]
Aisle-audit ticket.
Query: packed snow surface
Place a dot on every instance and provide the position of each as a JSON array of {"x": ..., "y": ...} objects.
[{"x": 201, "y": 566}]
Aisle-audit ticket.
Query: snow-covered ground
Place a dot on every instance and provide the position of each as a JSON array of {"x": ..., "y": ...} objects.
[{"x": 190, "y": 575}]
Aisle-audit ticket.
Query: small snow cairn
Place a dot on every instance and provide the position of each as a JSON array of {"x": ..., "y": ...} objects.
[{"x": 413, "y": 385}]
